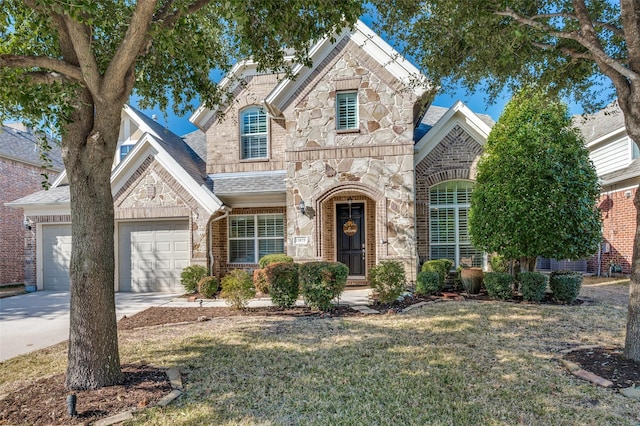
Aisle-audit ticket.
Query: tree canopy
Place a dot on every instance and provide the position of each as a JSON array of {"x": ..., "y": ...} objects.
[
  {"x": 536, "y": 187},
  {"x": 72, "y": 65}
]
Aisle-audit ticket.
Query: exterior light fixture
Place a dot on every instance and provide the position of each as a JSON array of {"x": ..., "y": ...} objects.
[
  {"x": 301, "y": 206},
  {"x": 27, "y": 223}
]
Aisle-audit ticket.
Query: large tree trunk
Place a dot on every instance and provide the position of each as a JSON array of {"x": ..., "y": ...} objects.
[{"x": 88, "y": 148}]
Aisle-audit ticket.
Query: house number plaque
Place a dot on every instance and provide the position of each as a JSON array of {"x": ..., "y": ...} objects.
[{"x": 350, "y": 228}]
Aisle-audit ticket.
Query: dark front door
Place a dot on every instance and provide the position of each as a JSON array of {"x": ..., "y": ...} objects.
[{"x": 351, "y": 247}]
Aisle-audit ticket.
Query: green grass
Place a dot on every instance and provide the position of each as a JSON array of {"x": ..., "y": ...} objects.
[{"x": 456, "y": 363}]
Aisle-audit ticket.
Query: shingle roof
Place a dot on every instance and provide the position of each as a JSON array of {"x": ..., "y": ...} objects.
[
  {"x": 58, "y": 195},
  {"x": 197, "y": 140},
  {"x": 601, "y": 123},
  {"x": 175, "y": 146},
  {"x": 433, "y": 115},
  {"x": 249, "y": 183},
  {"x": 22, "y": 145}
]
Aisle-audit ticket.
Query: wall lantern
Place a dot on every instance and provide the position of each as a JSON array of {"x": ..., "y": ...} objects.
[{"x": 301, "y": 206}]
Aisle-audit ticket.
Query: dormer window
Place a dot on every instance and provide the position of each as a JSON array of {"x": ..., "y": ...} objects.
[
  {"x": 347, "y": 110},
  {"x": 253, "y": 133},
  {"x": 124, "y": 150}
]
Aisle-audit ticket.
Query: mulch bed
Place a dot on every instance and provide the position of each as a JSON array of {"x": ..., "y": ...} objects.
[{"x": 44, "y": 402}]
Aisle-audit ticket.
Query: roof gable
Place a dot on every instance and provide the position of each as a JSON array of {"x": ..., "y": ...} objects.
[
  {"x": 438, "y": 124},
  {"x": 361, "y": 34}
]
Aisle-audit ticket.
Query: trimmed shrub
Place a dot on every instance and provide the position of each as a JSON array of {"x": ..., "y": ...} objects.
[
  {"x": 428, "y": 283},
  {"x": 260, "y": 282},
  {"x": 274, "y": 258},
  {"x": 441, "y": 266},
  {"x": 532, "y": 286},
  {"x": 498, "y": 263},
  {"x": 498, "y": 285},
  {"x": 284, "y": 287},
  {"x": 191, "y": 275},
  {"x": 565, "y": 285},
  {"x": 237, "y": 288},
  {"x": 388, "y": 280},
  {"x": 207, "y": 286},
  {"x": 320, "y": 282}
]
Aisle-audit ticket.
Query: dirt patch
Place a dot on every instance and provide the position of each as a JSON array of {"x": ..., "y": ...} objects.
[
  {"x": 609, "y": 364},
  {"x": 43, "y": 402}
]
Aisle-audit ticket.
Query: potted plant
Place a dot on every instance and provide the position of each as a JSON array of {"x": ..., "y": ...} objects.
[{"x": 472, "y": 279}]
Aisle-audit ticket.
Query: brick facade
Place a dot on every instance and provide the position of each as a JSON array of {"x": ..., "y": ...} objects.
[
  {"x": 454, "y": 158},
  {"x": 618, "y": 230},
  {"x": 18, "y": 179}
]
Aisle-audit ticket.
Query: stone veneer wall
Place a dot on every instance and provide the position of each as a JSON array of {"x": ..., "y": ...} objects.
[
  {"x": 374, "y": 162},
  {"x": 454, "y": 158},
  {"x": 220, "y": 247}
]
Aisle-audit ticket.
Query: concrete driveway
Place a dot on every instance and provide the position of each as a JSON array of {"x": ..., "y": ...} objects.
[{"x": 37, "y": 320}]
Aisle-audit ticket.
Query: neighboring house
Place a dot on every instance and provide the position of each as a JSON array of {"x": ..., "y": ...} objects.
[
  {"x": 343, "y": 163},
  {"x": 21, "y": 173},
  {"x": 617, "y": 161}
]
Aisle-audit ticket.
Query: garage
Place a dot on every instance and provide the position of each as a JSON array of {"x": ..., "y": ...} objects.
[
  {"x": 152, "y": 255},
  {"x": 56, "y": 255}
]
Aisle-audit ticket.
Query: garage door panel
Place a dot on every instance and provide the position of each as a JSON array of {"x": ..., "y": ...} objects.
[
  {"x": 56, "y": 256},
  {"x": 157, "y": 252}
]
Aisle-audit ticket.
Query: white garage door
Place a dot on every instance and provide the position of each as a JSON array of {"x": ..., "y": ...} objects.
[
  {"x": 152, "y": 255},
  {"x": 56, "y": 255}
]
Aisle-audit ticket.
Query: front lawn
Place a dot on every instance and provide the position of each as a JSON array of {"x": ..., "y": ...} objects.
[{"x": 455, "y": 363}]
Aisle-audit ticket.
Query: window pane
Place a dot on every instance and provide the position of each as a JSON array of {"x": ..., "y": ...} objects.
[
  {"x": 470, "y": 256},
  {"x": 443, "y": 252},
  {"x": 347, "y": 110},
  {"x": 442, "y": 225},
  {"x": 124, "y": 150},
  {"x": 241, "y": 227},
  {"x": 273, "y": 246},
  {"x": 463, "y": 225},
  {"x": 242, "y": 251},
  {"x": 271, "y": 226},
  {"x": 253, "y": 133}
]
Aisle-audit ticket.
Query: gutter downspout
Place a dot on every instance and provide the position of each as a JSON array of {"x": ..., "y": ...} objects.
[{"x": 227, "y": 210}]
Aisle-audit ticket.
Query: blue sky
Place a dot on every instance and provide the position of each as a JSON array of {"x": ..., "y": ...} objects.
[{"x": 476, "y": 101}]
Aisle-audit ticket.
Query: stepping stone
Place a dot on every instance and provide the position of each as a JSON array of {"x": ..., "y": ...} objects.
[
  {"x": 365, "y": 309},
  {"x": 632, "y": 392}
]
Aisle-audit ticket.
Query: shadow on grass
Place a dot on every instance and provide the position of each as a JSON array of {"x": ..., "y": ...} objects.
[{"x": 462, "y": 363}]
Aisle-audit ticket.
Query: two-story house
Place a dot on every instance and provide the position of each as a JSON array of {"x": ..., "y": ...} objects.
[{"x": 344, "y": 162}]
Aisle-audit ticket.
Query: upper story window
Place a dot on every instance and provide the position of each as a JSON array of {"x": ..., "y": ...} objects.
[
  {"x": 347, "y": 110},
  {"x": 124, "y": 150},
  {"x": 253, "y": 133}
]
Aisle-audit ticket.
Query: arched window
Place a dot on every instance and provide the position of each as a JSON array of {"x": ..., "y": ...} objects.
[
  {"x": 449, "y": 223},
  {"x": 253, "y": 133}
]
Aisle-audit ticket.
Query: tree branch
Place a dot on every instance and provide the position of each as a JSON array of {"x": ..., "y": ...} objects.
[
  {"x": 47, "y": 77},
  {"x": 132, "y": 44},
  {"x": 71, "y": 72},
  {"x": 587, "y": 38},
  {"x": 565, "y": 51},
  {"x": 167, "y": 18},
  {"x": 80, "y": 36}
]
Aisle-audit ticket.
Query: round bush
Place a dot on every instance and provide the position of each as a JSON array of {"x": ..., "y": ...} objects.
[
  {"x": 284, "y": 286},
  {"x": 274, "y": 258},
  {"x": 498, "y": 285},
  {"x": 260, "y": 282},
  {"x": 532, "y": 286},
  {"x": 388, "y": 280},
  {"x": 427, "y": 283},
  {"x": 321, "y": 282},
  {"x": 441, "y": 266},
  {"x": 237, "y": 288},
  {"x": 191, "y": 275},
  {"x": 565, "y": 285},
  {"x": 208, "y": 286}
]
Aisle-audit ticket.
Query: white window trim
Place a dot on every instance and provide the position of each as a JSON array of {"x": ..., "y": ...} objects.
[
  {"x": 242, "y": 134},
  {"x": 255, "y": 238}
]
